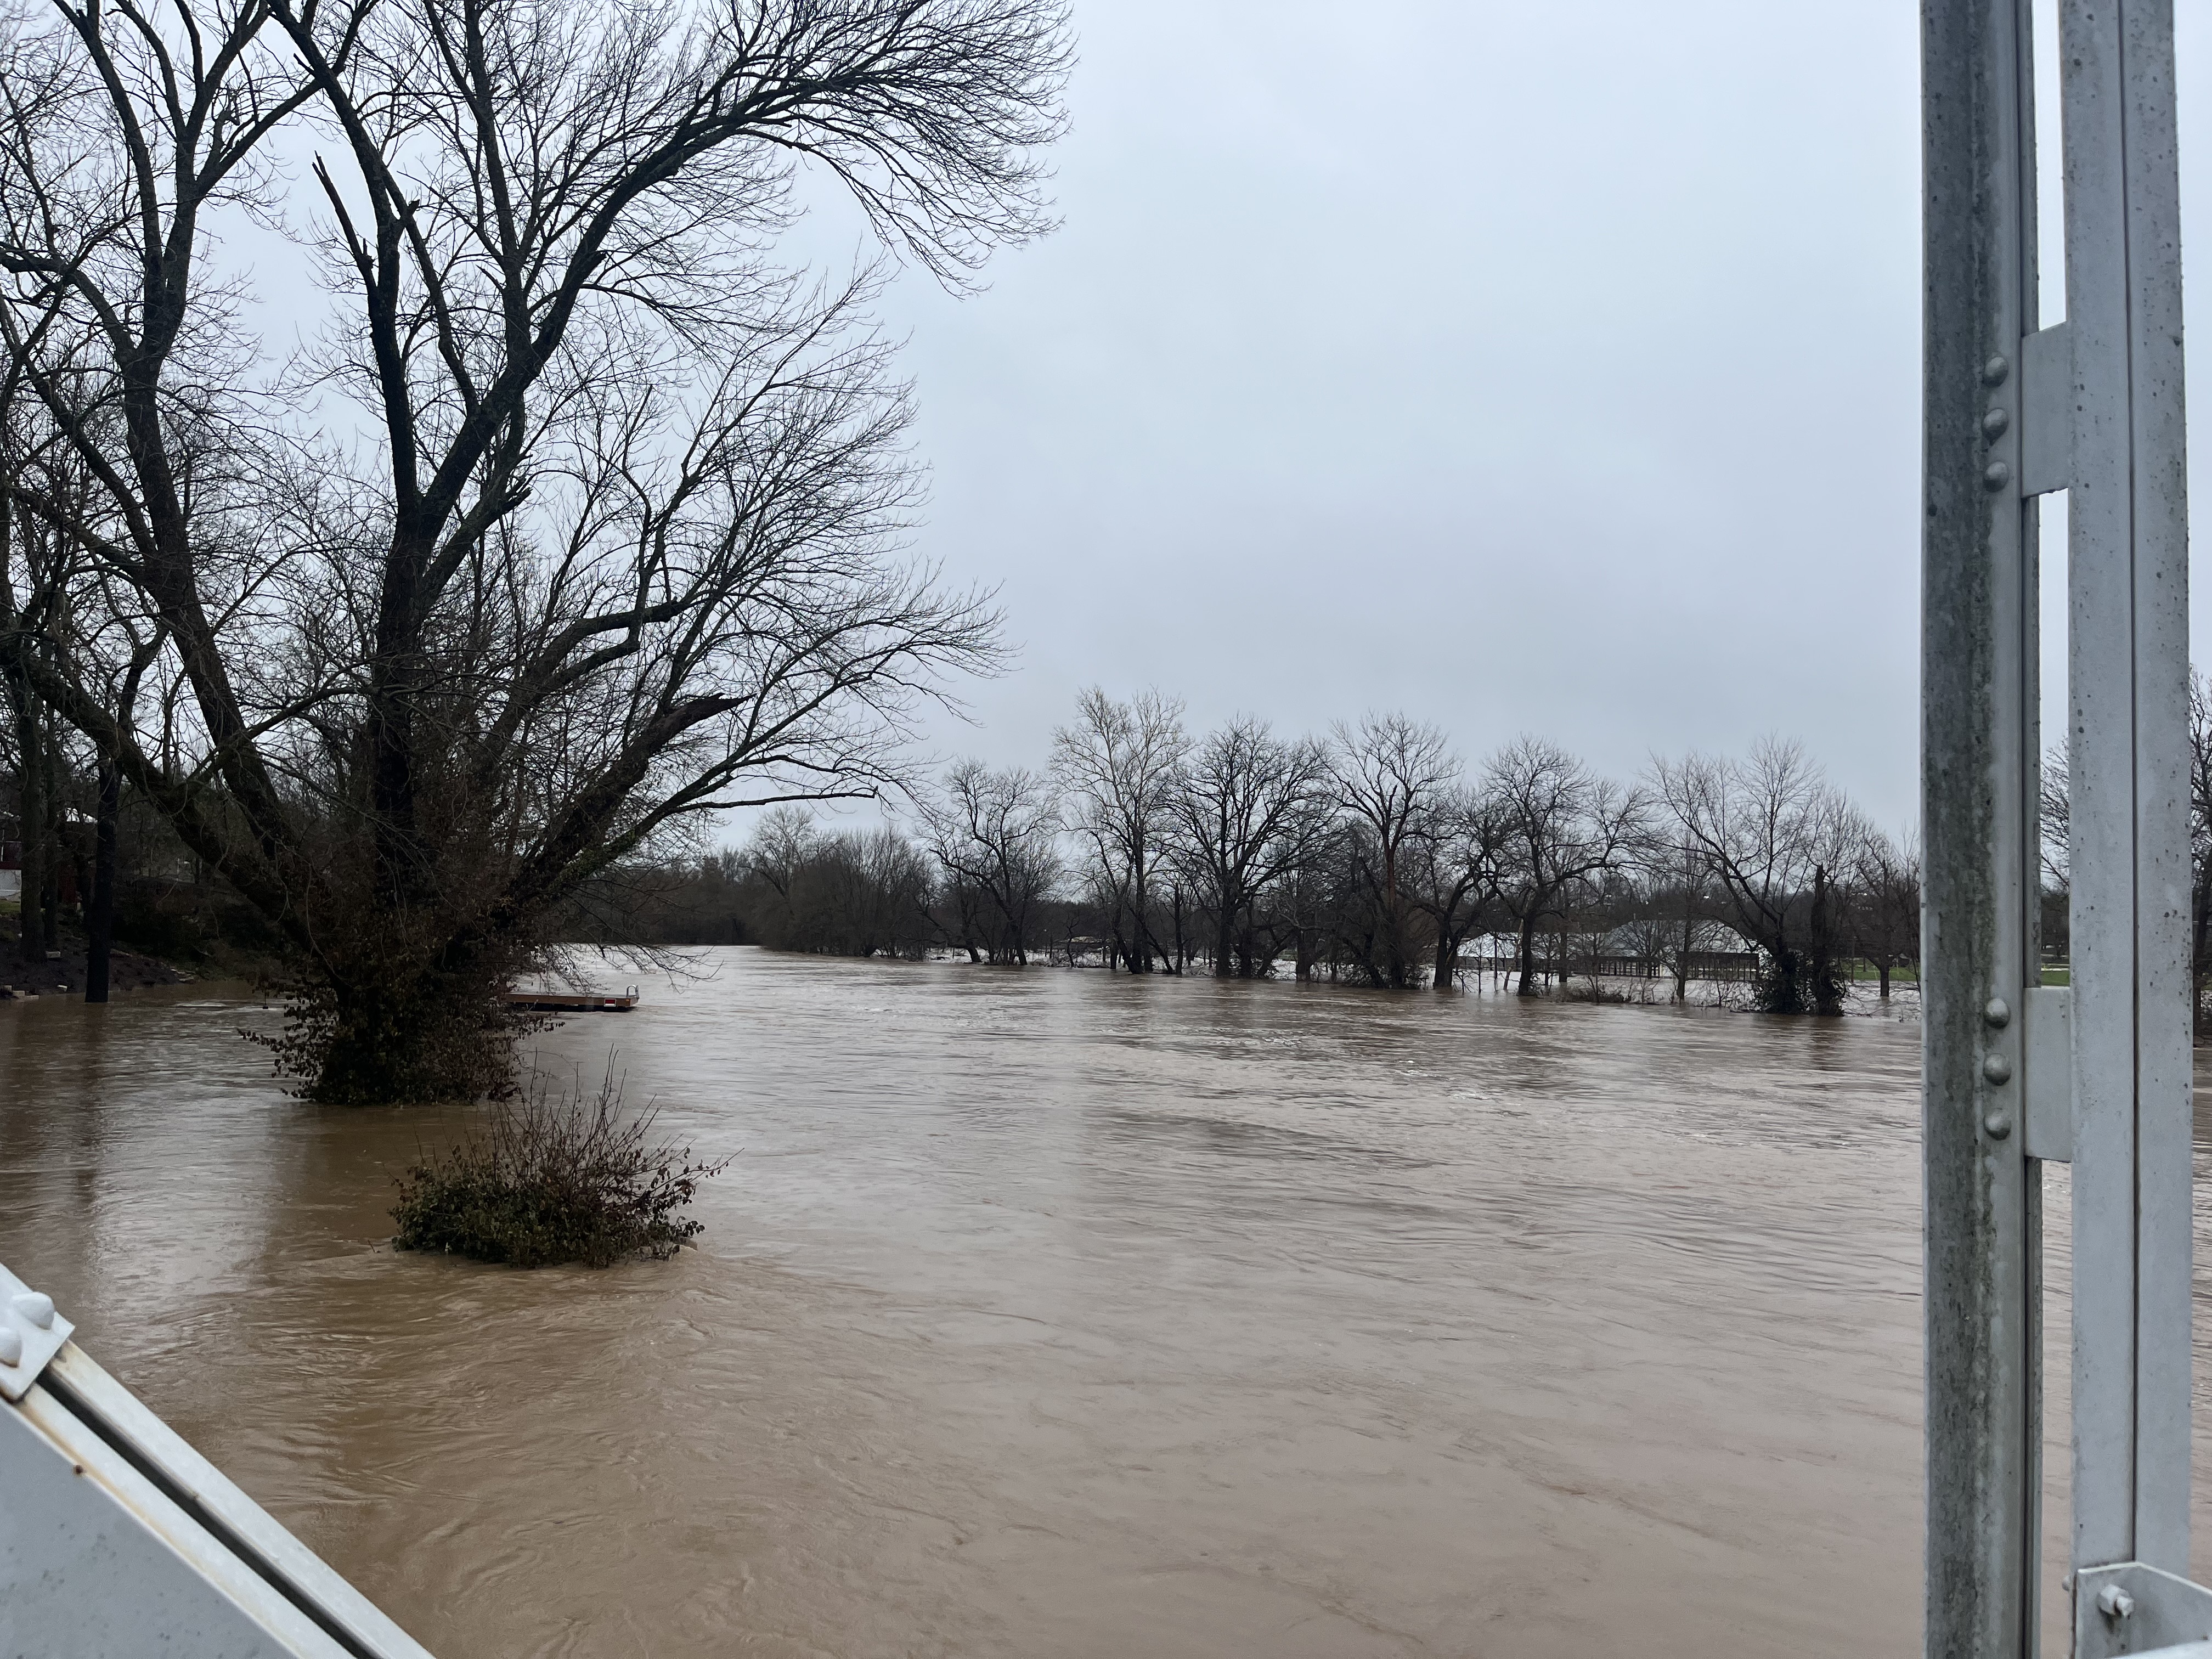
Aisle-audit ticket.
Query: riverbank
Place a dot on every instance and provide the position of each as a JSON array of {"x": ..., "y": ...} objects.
[{"x": 64, "y": 974}]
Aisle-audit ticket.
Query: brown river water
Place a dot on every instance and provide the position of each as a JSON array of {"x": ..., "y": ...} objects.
[{"x": 1047, "y": 1313}]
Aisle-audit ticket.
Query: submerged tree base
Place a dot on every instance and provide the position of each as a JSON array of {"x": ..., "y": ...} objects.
[
  {"x": 396, "y": 1032},
  {"x": 553, "y": 1180}
]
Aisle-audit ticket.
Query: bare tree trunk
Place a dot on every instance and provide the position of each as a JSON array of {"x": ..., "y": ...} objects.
[
  {"x": 50, "y": 904},
  {"x": 31, "y": 810},
  {"x": 99, "y": 914},
  {"x": 1682, "y": 955},
  {"x": 1527, "y": 985},
  {"x": 1826, "y": 989},
  {"x": 1446, "y": 968}
]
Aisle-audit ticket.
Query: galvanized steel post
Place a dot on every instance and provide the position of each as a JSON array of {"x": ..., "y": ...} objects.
[
  {"x": 2128, "y": 604},
  {"x": 2099, "y": 1073},
  {"x": 1979, "y": 746}
]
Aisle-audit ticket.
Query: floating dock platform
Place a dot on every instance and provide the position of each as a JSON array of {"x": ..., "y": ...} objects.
[{"x": 574, "y": 1002}]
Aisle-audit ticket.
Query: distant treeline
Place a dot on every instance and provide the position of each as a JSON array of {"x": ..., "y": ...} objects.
[{"x": 1372, "y": 856}]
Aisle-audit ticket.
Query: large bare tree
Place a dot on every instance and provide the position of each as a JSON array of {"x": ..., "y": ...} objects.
[
  {"x": 1564, "y": 827},
  {"x": 1779, "y": 840},
  {"x": 1249, "y": 805},
  {"x": 1121, "y": 766},
  {"x": 1461, "y": 857},
  {"x": 1391, "y": 773},
  {"x": 995, "y": 834},
  {"x": 578, "y": 519}
]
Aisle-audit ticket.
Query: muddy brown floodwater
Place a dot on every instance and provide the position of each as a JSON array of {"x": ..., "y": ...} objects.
[{"x": 1047, "y": 1314}]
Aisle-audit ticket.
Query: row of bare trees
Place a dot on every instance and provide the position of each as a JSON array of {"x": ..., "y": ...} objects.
[
  {"x": 573, "y": 517},
  {"x": 1376, "y": 855}
]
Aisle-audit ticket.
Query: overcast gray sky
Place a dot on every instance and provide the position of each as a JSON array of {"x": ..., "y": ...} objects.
[{"x": 1526, "y": 367}]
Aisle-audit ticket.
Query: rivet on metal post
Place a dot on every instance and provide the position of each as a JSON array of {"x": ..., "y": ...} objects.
[
  {"x": 1996, "y": 476},
  {"x": 11, "y": 1346},
  {"x": 1998, "y": 1013},
  {"x": 37, "y": 1307},
  {"x": 1999, "y": 1125},
  {"x": 1994, "y": 370},
  {"x": 1996, "y": 422},
  {"x": 1996, "y": 1068}
]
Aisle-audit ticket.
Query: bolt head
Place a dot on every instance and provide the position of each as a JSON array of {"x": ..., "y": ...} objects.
[
  {"x": 37, "y": 1307},
  {"x": 1998, "y": 1013},
  {"x": 1996, "y": 1068},
  {"x": 1994, "y": 370},
  {"x": 2114, "y": 1602}
]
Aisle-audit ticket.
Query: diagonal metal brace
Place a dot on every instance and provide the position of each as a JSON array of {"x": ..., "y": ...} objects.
[{"x": 2130, "y": 1608}]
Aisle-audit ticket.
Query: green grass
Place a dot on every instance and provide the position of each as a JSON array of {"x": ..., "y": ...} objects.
[{"x": 1866, "y": 973}]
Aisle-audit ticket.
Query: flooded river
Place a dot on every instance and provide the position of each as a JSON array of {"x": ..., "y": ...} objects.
[{"x": 1046, "y": 1314}]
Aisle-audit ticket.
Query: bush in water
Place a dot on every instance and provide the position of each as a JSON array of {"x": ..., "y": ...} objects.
[{"x": 553, "y": 1180}]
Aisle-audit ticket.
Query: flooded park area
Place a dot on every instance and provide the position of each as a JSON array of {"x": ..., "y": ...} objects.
[{"x": 1052, "y": 1313}]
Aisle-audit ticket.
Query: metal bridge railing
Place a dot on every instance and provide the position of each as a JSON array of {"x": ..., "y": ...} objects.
[{"x": 2016, "y": 1073}]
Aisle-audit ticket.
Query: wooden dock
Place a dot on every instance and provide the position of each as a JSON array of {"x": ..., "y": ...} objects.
[{"x": 574, "y": 1002}]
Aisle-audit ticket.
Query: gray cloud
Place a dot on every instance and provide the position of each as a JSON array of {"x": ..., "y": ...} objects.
[
  {"x": 1529, "y": 368},
  {"x": 1524, "y": 366}
]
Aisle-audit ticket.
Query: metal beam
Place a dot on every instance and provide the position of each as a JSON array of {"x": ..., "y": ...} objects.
[
  {"x": 2128, "y": 607},
  {"x": 1979, "y": 746},
  {"x": 116, "y": 1537},
  {"x": 2092, "y": 406}
]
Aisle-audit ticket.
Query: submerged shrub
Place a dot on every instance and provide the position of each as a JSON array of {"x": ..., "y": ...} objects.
[{"x": 555, "y": 1179}]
